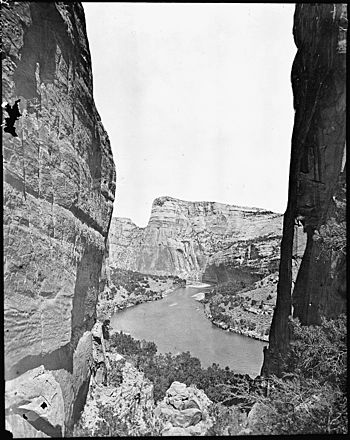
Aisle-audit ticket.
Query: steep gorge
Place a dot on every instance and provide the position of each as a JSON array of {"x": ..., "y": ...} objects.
[
  {"x": 317, "y": 177},
  {"x": 59, "y": 185}
]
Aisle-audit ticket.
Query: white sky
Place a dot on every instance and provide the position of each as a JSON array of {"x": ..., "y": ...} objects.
[{"x": 196, "y": 99}]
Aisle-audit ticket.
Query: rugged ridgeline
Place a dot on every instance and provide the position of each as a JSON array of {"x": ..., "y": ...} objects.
[
  {"x": 59, "y": 184},
  {"x": 204, "y": 241},
  {"x": 317, "y": 176}
]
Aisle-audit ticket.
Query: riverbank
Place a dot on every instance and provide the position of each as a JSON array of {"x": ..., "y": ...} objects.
[
  {"x": 197, "y": 284},
  {"x": 245, "y": 310},
  {"x": 129, "y": 288},
  {"x": 177, "y": 324},
  {"x": 240, "y": 331}
]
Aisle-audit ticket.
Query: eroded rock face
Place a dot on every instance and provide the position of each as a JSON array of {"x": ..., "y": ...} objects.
[
  {"x": 116, "y": 388},
  {"x": 317, "y": 175},
  {"x": 59, "y": 183},
  {"x": 124, "y": 238},
  {"x": 320, "y": 176},
  {"x": 198, "y": 240},
  {"x": 36, "y": 396}
]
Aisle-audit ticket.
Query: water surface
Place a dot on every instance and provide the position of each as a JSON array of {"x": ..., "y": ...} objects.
[{"x": 177, "y": 323}]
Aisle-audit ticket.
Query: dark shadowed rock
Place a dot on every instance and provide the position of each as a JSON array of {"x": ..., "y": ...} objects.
[{"x": 317, "y": 176}]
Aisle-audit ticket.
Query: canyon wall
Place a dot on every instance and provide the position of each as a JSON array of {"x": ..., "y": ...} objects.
[
  {"x": 317, "y": 176},
  {"x": 59, "y": 185},
  {"x": 205, "y": 241}
]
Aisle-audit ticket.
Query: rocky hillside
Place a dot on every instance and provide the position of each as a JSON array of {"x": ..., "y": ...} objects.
[
  {"x": 317, "y": 195},
  {"x": 59, "y": 183},
  {"x": 204, "y": 241},
  {"x": 120, "y": 400}
]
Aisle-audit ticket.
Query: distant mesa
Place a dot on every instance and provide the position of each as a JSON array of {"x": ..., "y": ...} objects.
[{"x": 203, "y": 241}]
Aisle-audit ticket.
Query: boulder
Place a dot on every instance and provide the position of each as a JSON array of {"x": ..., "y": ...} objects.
[
  {"x": 191, "y": 403},
  {"x": 186, "y": 417},
  {"x": 37, "y": 398},
  {"x": 255, "y": 415},
  {"x": 184, "y": 411}
]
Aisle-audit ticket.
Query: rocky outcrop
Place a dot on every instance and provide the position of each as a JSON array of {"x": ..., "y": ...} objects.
[
  {"x": 59, "y": 183},
  {"x": 117, "y": 390},
  {"x": 316, "y": 181},
  {"x": 199, "y": 240},
  {"x": 184, "y": 411},
  {"x": 120, "y": 401}
]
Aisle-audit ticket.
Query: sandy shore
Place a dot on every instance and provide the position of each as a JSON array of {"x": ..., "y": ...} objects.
[{"x": 198, "y": 284}]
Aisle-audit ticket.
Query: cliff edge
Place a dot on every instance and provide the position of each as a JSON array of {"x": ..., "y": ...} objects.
[
  {"x": 317, "y": 177},
  {"x": 59, "y": 185},
  {"x": 206, "y": 241}
]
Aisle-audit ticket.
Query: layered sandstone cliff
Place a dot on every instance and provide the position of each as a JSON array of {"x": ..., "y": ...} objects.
[
  {"x": 206, "y": 241},
  {"x": 59, "y": 184},
  {"x": 317, "y": 176}
]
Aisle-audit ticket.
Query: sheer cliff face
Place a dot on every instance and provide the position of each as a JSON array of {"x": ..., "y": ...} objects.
[
  {"x": 317, "y": 175},
  {"x": 198, "y": 240},
  {"x": 320, "y": 177},
  {"x": 59, "y": 183}
]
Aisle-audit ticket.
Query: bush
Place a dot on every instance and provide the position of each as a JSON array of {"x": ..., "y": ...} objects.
[
  {"x": 106, "y": 329},
  {"x": 299, "y": 406},
  {"x": 251, "y": 325},
  {"x": 311, "y": 396},
  {"x": 227, "y": 420},
  {"x": 163, "y": 369},
  {"x": 115, "y": 376},
  {"x": 319, "y": 352}
]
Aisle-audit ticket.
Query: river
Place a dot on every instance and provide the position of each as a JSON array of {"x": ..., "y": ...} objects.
[{"x": 177, "y": 323}]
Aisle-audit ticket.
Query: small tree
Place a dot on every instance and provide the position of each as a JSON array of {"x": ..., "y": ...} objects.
[{"x": 106, "y": 329}]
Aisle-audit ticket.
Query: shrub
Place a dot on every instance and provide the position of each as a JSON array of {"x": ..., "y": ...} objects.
[
  {"x": 319, "y": 352},
  {"x": 251, "y": 325},
  {"x": 227, "y": 420},
  {"x": 163, "y": 369},
  {"x": 106, "y": 329},
  {"x": 115, "y": 376},
  {"x": 311, "y": 395},
  {"x": 299, "y": 406}
]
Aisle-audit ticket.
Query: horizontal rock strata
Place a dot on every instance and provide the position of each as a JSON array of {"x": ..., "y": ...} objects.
[
  {"x": 198, "y": 240},
  {"x": 59, "y": 183}
]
